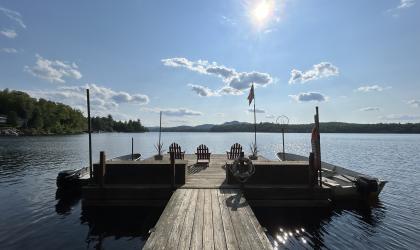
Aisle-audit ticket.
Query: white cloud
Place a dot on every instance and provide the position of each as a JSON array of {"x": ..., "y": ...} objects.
[
  {"x": 309, "y": 96},
  {"x": 53, "y": 71},
  {"x": 9, "y": 50},
  {"x": 405, "y": 4},
  {"x": 103, "y": 100},
  {"x": 401, "y": 117},
  {"x": 177, "y": 112},
  {"x": 270, "y": 116},
  {"x": 370, "y": 88},
  {"x": 414, "y": 103},
  {"x": 9, "y": 33},
  {"x": 320, "y": 70},
  {"x": 259, "y": 111},
  {"x": 231, "y": 78},
  {"x": 366, "y": 109},
  {"x": 226, "y": 90},
  {"x": 202, "y": 90},
  {"x": 13, "y": 15}
]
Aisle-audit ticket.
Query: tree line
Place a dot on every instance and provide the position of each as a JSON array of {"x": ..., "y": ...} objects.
[
  {"x": 325, "y": 127},
  {"x": 41, "y": 116}
]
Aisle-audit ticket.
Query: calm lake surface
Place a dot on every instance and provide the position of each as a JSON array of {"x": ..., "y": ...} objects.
[{"x": 32, "y": 217}]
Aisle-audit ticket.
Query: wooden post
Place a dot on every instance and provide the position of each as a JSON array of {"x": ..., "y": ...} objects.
[
  {"x": 102, "y": 166},
  {"x": 132, "y": 148},
  {"x": 313, "y": 175},
  {"x": 172, "y": 158},
  {"x": 90, "y": 134},
  {"x": 318, "y": 147}
]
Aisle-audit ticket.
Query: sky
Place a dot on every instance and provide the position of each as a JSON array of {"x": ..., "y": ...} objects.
[{"x": 196, "y": 60}]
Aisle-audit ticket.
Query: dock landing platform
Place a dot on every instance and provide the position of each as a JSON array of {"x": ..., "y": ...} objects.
[{"x": 208, "y": 219}]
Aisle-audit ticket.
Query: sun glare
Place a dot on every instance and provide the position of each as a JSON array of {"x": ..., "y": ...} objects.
[{"x": 262, "y": 11}]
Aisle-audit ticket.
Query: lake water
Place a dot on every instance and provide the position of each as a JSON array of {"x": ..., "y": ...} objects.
[{"x": 32, "y": 217}]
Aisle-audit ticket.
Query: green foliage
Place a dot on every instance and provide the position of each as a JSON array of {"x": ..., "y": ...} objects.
[
  {"x": 325, "y": 127},
  {"x": 40, "y": 116},
  {"x": 107, "y": 124}
]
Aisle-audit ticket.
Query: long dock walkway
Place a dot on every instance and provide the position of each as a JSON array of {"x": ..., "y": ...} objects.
[
  {"x": 208, "y": 219},
  {"x": 207, "y": 213}
]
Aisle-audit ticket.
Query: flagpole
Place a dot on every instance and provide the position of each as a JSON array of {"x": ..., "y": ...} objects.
[{"x": 255, "y": 122}]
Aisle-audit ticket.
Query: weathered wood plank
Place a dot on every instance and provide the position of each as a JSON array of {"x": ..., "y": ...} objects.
[
  {"x": 258, "y": 228},
  {"x": 185, "y": 236},
  {"x": 179, "y": 221},
  {"x": 231, "y": 241},
  {"x": 153, "y": 238},
  {"x": 208, "y": 242},
  {"x": 245, "y": 222},
  {"x": 218, "y": 231},
  {"x": 197, "y": 233},
  {"x": 232, "y": 206}
]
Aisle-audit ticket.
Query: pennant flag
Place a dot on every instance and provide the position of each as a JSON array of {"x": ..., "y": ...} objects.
[{"x": 251, "y": 94}]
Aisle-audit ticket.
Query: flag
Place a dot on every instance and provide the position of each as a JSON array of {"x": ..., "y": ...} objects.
[{"x": 251, "y": 94}]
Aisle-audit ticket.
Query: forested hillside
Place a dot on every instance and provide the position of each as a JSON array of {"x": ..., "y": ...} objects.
[{"x": 32, "y": 116}]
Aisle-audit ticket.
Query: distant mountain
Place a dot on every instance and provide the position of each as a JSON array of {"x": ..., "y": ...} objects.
[{"x": 325, "y": 127}]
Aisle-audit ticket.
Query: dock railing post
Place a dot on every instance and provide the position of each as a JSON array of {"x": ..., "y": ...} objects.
[
  {"x": 102, "y": 166},
  {"x": 172, "y": 158},
  {"x": 132, "y": 148}
]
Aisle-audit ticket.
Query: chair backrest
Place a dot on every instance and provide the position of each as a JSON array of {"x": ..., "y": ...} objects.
[
  {"x": 235, "y": 151},
  {"x": 203, "y": 152},
  {"x": 174, "y": 147}
]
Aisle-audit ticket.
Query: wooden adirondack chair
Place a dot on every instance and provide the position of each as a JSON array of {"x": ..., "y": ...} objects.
[
  {"x": 174, "y": 147},
  {"x": 203, "y": 154},
  {"x": 235, "y": 151}
]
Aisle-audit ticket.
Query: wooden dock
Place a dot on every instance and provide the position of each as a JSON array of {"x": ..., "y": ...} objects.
[
  {"x": 206, "y": 206},
  {"x": 207, "y": 213},
  {"x": 208, "y": 219}
]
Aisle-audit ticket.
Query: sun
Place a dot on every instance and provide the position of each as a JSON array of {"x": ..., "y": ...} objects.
[{"x": 262, "y": 11}]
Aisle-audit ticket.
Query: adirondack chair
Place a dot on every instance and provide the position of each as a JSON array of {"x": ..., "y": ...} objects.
[
  {"x": 203, "y": 154},
  {"x": 235, "y": 151},
  {"x": 174, "y": 147}
]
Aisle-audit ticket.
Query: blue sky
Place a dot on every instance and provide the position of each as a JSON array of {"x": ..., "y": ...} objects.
[{"x": 194, "y": 60}]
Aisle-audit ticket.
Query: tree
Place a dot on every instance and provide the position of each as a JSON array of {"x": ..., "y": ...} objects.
[{"x": 12, "y": 118}]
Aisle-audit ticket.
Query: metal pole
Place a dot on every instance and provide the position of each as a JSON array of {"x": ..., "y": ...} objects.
[
  {"x": 90, "y": 134},
  {"x": 319, "y": 147},
  {"x": 255, "y": 123},
  {"x": 284, "y": 153},
  {"x": 160, "y": 129},
  {"x": 132, "y": 148}
]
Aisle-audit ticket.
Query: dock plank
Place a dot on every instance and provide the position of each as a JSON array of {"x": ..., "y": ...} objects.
[
  {"x": 208, "y": 227},
  {"x": 230, "y": 199},
  {"x": 179, "y": 221},
  {"x": 197, "y": 233},
  {"x": 218, "y": 231},
  {"x": 231, "y": 241},
  {"x": 185, "y": 236}
]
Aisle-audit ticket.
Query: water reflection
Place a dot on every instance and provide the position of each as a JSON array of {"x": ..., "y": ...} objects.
[
  {"x": 129, "y": 225},
  {"x": 319, "y": 227}
]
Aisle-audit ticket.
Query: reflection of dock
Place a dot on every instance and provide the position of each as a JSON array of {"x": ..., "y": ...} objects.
[{"x": 208, "y": 219}]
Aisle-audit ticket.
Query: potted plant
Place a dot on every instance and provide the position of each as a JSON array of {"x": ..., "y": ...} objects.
[
  {"x": 254, "y": 152},
  {"x": 159, "y": 149}
]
